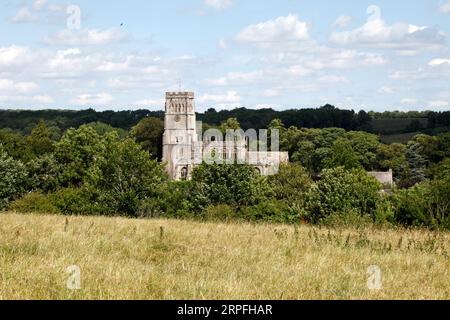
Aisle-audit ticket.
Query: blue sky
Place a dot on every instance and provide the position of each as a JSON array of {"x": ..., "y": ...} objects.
[{"x": 372, "y": 55}]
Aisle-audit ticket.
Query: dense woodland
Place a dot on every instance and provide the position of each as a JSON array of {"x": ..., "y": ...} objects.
[
  {"x": 108, "y": 163},
  {"x": 324, "y": 117}
]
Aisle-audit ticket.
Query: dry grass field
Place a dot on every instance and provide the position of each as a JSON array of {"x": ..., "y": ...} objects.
[{"x": 167, "y": 259}]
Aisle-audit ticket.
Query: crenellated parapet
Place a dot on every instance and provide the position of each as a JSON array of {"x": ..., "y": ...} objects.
[
  {"x": 180, "y": 94},
  {"x": 180, "y": 102}
]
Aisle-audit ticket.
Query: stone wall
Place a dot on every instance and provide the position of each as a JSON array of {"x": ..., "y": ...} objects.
[{"x": 383, "y": 177}]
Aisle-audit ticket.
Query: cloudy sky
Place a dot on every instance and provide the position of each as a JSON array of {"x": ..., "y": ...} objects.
[{"x": 372, "y": 55}]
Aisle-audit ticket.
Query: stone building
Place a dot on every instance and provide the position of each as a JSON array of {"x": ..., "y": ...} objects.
[
  {"x": 185, "y": 145},
  {"x": 385, "y": 178}
]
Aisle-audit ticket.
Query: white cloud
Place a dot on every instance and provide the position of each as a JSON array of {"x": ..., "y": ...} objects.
[
  {"x": 229, "y": 98},
  {"x": 44, "y": 99},
  {"x": 238, "y": 78},
  {"x": 110, "y": 66},
  {"x": 346, "y": 59},
  {"x": 445, "y": 8},
  {"x": 38, "y": 99},
  {"x": 25, "y": 87},
  {"x": 222, "y": 44},
  {"x": 385, "y": 90},
  {"x": 333, "y": 79},
  {"x": 342, "y": 21},
  {"x": 270, "y": 93},
  {"x": 24, "y": 15},
  {"x": 439, "y": 104},
  {"x": 15, "y": 56},
  {"x": 439, "y": 62},
  {"x": 39, "y": 4},
  {"x": 437, "y": 70},
  {"x": 37, "y": 12},
  {"x": 218, "y": 4},
  {"x": 21, "y": 87},
  {"x": 408, "y": 101},
  {"x": 287, "y": 57},
  {"x": 288, "y": 28},
  {"x": 376, "y": 33},
  {"x": 86, "y": 37},
  {"x": 6, "y": 84},
  {"x": 151, "y": 103},
  {"x": 99, "y": 99}
]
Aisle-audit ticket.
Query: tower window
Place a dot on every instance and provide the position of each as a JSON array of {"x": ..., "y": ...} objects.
[{"x": 184, "y": 173}]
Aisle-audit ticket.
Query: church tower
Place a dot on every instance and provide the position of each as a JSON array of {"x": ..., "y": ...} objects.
[{"x": 180, "y": 135}]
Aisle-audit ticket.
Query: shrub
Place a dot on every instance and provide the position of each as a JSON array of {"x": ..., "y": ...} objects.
[
  {"x": 76, "y": 152},
  {"x": 12, "y": 178},
  {"x": 171, "y": 201},
  {"x": 40, "y": 139},
  {"x": 34, "y": 202},
  {"x": 44, "y": 174},
  {"x": 291, "y": 184},
  {"x": 275, "y": 211},
  {"x": 123, "y": 175},
  {"x": 342, "y": 155},
  {"x": 151, "y": 208},
  {"x": 234, "y": 185},
  {"x": 341, "y": 190},
  {"x": 221, "y": 212},
  {"x": 70, "y": 201},
  {"x": 149, "y": 133},
  {"x": 426, "y": 204},
  {"x": 384, "y": 212},
  {"x": 81, "y": 201},
  {"x": 351, "y": 218},
  {"x": 439, "y": 206}
]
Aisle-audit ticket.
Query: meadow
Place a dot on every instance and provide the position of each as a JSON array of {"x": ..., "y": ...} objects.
[{"x": 123, "y": 258}]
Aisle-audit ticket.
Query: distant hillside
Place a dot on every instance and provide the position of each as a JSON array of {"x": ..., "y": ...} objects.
[{"x": 392, "y": 126}]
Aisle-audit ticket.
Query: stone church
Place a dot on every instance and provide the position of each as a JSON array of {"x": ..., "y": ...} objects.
[{"x": 186, "y": 146}]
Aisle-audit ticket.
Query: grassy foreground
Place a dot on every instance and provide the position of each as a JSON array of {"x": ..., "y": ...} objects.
[{"x": 137, "y": 259}]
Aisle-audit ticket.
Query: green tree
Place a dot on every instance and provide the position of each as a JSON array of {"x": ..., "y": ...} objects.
[
  {"x": 235, "y": 185},
  {"x": 276, "y": 124},
  {"x": 230, "y": 124},
  {"x": 149, "y": 133},
  {"x": 305, "y": 155},
  {"x": 415, "y": 170},
  {"x": 342, "y": 155},
  {"x": 429, "y": 148},
  {"x": 15, "y": 144},
  {"x": 391, "y": 156},
  {"x": 441, "y": 169},
  {"x": 291, "y": 184},
  {"x": 44, "y": 173},
  {"x": 76, "y": 152},
  {"x": 173, "y": 201},
  {"x": 342, "y": 191},
  {"x": 40, "y": 139},
  {"x": 425, "y": 204},
  {"x": 12, "y": 178},
  {"x": 365, "y": 146},
  {"x": 124, "y": 175},
  {"x": 103, "y": 128}
]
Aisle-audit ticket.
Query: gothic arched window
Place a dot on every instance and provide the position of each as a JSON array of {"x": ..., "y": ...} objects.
[{"x": 184, "y": 173}]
